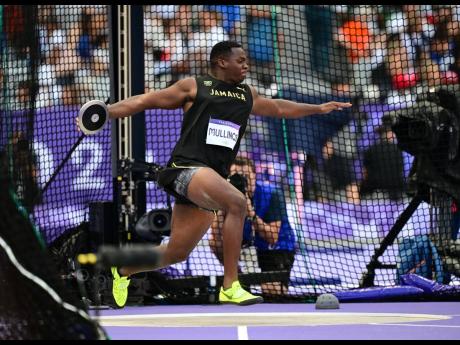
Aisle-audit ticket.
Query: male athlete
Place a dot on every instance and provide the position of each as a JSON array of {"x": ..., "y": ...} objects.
[{"x": 216, "y": 110}]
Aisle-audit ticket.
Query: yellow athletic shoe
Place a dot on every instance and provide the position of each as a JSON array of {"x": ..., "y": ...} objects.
[
  {"x": 237, "y": 295},
  {"x": 119, "y": 288}
]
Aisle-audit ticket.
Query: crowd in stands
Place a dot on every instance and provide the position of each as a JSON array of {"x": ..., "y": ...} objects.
[
  {"x": 378, "y": 54},
  {"x": 71, "y": 59}
]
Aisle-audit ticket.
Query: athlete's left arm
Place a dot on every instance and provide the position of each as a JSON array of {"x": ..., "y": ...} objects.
[{"x": 282, "y": 108}]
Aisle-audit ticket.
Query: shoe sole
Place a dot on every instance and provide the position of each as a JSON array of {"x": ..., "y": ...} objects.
[{"x": 245, "y": 303}]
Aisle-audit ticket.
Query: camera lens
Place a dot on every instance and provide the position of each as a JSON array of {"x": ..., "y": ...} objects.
[{"x": 160, "y": 220}]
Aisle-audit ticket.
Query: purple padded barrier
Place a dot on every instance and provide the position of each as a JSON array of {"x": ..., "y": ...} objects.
[
  {"x": 378, "y": 293},
  {"x": 428, "y": 286}
]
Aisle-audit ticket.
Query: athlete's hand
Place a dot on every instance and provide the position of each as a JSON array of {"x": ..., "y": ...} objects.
[{"x": 326, "y": 108}]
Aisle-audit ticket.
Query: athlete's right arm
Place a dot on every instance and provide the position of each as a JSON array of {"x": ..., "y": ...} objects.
[{"x": 172, "y": 97}]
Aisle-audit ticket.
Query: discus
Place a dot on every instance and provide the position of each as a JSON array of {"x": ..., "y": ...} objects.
[{"x": 92, "y": 117}]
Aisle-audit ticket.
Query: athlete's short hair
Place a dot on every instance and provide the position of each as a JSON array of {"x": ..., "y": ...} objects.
[{"x": 222, "y": 49}]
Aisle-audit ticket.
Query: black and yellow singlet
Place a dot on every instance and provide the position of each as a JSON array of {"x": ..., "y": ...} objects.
[{"x": 214, "y": 125}]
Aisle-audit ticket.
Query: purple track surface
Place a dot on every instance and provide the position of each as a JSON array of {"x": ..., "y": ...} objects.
[{"x": 448, "y": 329}]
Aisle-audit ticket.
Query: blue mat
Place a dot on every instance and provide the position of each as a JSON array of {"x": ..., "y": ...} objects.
[{"x": 378, "y": 293}]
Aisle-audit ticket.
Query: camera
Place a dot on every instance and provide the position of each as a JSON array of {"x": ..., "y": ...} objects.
[
  {"x": 239, "y": 182},
  {"x": 154, "y": 225},
  {"x": 430, "y": 131}
]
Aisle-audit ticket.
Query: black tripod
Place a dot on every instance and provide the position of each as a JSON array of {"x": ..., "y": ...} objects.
[{"x": 369, "y": 276}]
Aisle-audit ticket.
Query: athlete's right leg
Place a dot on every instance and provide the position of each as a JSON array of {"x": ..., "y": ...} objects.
[
  {"x": 188, "y": 226},
  {"x": 209, "y": 190}
]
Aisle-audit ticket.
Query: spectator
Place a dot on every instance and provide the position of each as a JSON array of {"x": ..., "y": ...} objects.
[
  {"x": 210, "y": 33},
  {"x": 50, "y": 92},
  {"x": 178, "y": 32},
  {"x": 320, "y": 16},
  {"x": 329, "y": 175},
  {"x": 453, "y": 23},
  {"x": 383, "y": 167},
  {"x": 429, "y": 72},
  {"x": 363, "y": 43},
  {"x": 261, "y": 46},
  {"x": 442, "y": 53},
  {"x": 399, "y": 75},
  {"x": 51, "y": 36},
  {"x": 90, "y": 41},
  {"x": 166, "y": 44},
  {"x": 157, "y": 52},
  {"x": 231, "y": 18},
  {"x": 57, "y": 77},
  {"x": 266, "y": 226},
  {"x": 23, "y": 95},
  {"x": 355, "y": 35},
  {"x": 93, "y": 23},
  {"x": 334, "y": 179},
  {"x": 418, "y": 32},
  {"x": 99, "y": 81}
]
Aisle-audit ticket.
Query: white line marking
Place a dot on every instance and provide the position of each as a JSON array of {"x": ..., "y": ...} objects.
[
  {"x": 224, "y": 315},
  {"x": 402, "y": 324},
  {"x": 243, "y": 333}
]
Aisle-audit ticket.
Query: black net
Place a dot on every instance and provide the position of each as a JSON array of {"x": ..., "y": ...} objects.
[
  {"x": 337, "y": 182},
  {"x": 53, "y": 59},
  {"x": 67, "y": 66},
  {"x": 331, "y": 187},
  {"x": 34, "y": 302}
]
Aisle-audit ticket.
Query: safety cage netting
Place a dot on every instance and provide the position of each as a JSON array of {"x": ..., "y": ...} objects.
[
  {"x": 344, "y": 178},
  {"x": 337, "y": 183},
  {"x": 47, "y": 66}
]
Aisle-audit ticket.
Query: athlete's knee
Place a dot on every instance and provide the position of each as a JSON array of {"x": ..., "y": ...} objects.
[{"x": 237, "y": 205}]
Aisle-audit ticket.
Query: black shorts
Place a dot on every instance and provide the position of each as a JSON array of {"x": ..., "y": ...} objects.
[
  {"x": 276, "y": 260},
  {"x": 175, "y": 181}
]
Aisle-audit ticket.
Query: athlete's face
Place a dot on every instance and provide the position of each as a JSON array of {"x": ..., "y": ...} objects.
[{"x": 236, "y": 65}]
